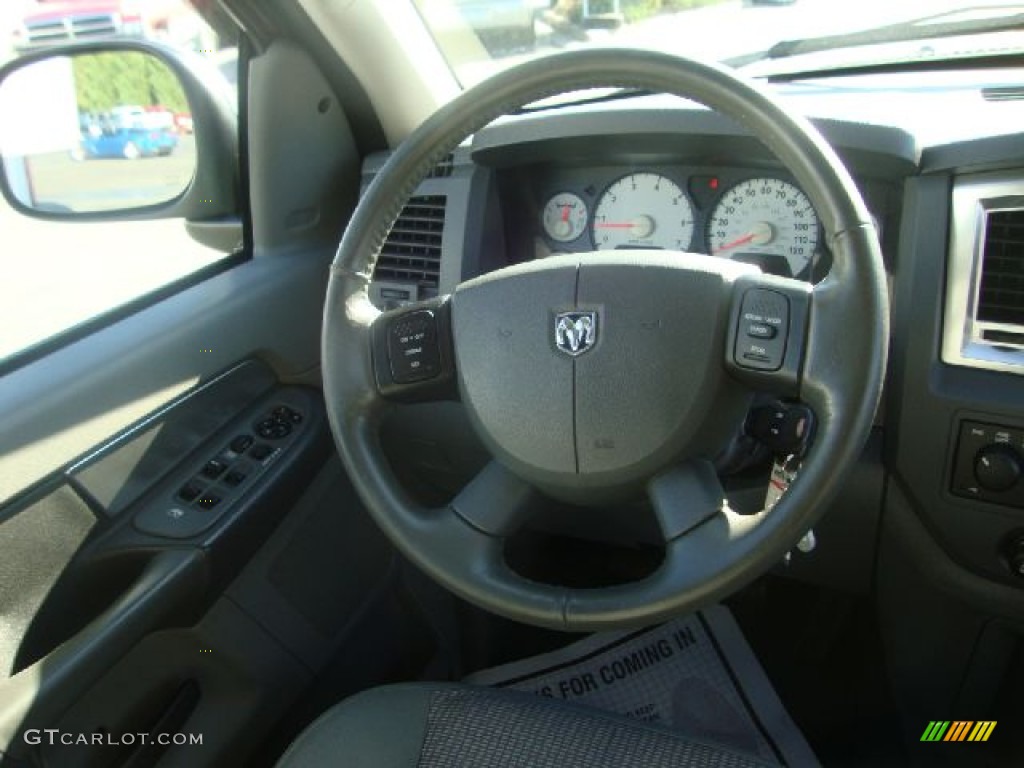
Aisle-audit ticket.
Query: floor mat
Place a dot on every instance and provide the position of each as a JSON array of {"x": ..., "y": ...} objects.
[{"x": 695, "y": 674}]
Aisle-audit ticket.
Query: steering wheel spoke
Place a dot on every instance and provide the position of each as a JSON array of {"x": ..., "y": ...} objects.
[
  {"x": 496, "y": 502},
  {"x": 475, "y": 561},
  {"x": 413, "y": 358},
  {"x": 766, "y": 345},
  {"x": 685, "y": 496}
]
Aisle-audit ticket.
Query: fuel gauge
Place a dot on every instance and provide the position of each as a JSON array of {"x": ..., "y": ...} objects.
[{"x": 564, "y": 217}]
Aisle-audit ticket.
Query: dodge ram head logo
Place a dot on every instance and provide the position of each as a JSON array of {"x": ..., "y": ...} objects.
[{"x": 575, "y": 332}]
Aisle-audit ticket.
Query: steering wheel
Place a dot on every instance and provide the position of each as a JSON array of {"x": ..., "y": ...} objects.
[{"x": 597, "y": 377}]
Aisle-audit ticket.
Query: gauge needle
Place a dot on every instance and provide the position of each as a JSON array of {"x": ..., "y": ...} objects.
[
  {"x": 565, "y": 213},
  {"x": 736, "y": 243},
  {"x": 643, "y": 226}
]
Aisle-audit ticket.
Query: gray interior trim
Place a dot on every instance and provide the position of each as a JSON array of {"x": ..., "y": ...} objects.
[
  {"x": 877, "y": 150},
  {"x": 305, "y": 172},
  {"x": 38, "y": 694}
]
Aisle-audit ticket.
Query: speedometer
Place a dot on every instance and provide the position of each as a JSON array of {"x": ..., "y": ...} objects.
[
  {"x": 643, "y": 210},
  {"x": 768, "y": 222}
]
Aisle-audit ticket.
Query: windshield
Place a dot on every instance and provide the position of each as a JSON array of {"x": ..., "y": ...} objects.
[{"x": 480, "y": 37}]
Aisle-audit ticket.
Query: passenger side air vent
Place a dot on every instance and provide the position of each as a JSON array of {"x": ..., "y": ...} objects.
[
  {"x": 1001, "y": 289},
  {"x": 412, "y": 251},
  {"x": 984, "y": 317}
]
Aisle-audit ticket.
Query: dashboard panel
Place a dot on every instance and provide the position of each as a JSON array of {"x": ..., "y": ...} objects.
[
  {"x": 746, "y": 214},
  {"x": 682, "y": 179},
  {"x": 588, "y": 179}
]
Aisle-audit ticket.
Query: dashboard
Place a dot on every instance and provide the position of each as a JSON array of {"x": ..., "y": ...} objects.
[{"x": 665, "y": 174}]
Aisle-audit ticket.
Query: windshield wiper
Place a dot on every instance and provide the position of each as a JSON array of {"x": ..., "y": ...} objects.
[{"x": 925, "y": 28}]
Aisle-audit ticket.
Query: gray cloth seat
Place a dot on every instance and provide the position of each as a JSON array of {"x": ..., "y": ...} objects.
[{"x": 435, "y": 725}]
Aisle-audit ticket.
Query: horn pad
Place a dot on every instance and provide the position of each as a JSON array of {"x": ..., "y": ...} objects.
[{"x": 586, "y": 374}]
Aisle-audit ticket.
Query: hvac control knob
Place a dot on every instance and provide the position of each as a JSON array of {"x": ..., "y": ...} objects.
[{"x": 997, "y": 467}]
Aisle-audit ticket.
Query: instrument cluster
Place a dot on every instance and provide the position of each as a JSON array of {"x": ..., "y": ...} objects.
[{"x": 754, "y": 217}]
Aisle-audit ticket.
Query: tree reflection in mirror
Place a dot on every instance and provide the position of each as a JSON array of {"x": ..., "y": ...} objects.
[{"x": 96, "y": 132}]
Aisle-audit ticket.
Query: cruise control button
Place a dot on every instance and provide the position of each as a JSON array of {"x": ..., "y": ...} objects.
[
  {"x": 760, "y": 343},
  {"x": 761, "y": 331},
  {"x": 413, "y": 347}
]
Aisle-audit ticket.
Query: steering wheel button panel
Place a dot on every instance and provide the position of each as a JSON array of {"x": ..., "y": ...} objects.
[
  {"x": 764, "y": 320},
  {"x": 412, "y": 347}
]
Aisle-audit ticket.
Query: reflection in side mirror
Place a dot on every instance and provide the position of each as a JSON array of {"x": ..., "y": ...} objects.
[{"x": 95, "y": 132}]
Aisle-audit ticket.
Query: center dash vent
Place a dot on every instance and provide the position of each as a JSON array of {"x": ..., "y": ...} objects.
[
  {"x": 1001, "y": 291},
  {"x": 444, "y": 168},
  {"x": 412, "y": 250}
]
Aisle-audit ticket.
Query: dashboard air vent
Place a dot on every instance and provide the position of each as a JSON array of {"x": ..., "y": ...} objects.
[
  {"x": 984, "y": 318},
  {"x": 1001, "y": 289},
  {"x": 412, "y": 251},
  {"x": 443, "y": 169},
  {"x": 1004, "y": 93}
]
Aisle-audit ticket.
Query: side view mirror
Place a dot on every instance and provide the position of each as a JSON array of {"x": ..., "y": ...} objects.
[{"x": 117, "y": 130}]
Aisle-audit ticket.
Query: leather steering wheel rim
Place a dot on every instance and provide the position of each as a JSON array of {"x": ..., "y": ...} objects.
[{"x": 841, "y": 372}]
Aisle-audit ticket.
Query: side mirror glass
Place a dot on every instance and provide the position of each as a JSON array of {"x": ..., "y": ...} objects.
[{"x": 95, "y": 132}]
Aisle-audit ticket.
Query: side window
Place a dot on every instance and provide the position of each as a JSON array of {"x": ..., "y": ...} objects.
[{"x": 108, "y": 131}]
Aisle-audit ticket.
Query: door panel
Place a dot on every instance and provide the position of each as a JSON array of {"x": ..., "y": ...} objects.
[
  {"x": 113, "y": 551},
  {"x": 116, "y": 621},
  {"x": 57, "y": 408}
]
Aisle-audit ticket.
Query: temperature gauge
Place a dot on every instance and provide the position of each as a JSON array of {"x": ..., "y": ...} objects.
[{"x": 565, "y": 217}]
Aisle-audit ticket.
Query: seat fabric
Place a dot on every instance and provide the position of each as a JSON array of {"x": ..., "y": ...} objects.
[{"x": 456, "y": 726}]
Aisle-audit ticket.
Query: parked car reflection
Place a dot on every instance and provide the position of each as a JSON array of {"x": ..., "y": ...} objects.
[{"x": 126, "y": 132}]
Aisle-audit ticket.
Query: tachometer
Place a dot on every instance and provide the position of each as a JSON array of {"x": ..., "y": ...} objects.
[
  {"x": 768, "y": 222},
  {"x": 643, "y": 210}
]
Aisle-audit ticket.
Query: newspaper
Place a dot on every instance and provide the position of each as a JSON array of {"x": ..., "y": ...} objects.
[{"x": 695, "y": 674}]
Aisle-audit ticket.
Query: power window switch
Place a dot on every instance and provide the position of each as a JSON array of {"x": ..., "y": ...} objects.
[
  {"x": 234, "y": 478},
  {"x": 261, "y": 451},
  {"x": 214, "y": 468},
  {"x": 241, "y": 443},
  {"x": 190, "y": 491}
]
